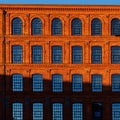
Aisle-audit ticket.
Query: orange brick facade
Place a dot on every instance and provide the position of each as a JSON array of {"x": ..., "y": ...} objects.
[{"x": 66, "y": 14}]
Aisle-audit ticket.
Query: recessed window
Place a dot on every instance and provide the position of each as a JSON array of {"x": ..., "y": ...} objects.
[
  {"x": 56, "y": 27},
  {"x": 17, "y": 54},
  {"x": 17, "y": 26},
  {"x": 116, "y": 83},
  {"x": 56, "y": 55},
  {"x": 115, "y": 54},
  {"x": 96, "y": 55},
  {"x": 77, "y": 83},
  {"x": 116, "y": 111},
  {"x": 77, "y": 55},
  {"x": 57, "y": 111},
  {"x": 96, "y": 27},
  {"x": 36, "y": 54},
  {"x": 36, "y": 27},
  {"x": 37, "y": 82},
  {"x": 97, "y": 83},
  {"x": 17, "y": 111},
  {"x": 115, "y": 27},
  {"x": 37, "y": 111},
  {"x": 57, "y": 83},
  {"x": 76, "y": 27},
  {"x": 17, "y": 83},
  {"x": 77, "y": 111}
]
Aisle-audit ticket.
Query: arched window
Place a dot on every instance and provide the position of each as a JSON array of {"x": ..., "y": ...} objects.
[
  {"x": 36, "y": 27},
  {"x": 56, "y": 27},
  {"x": 115, "y": 27},
  {"x": 17, "y": 26},
  {"x": 96, "y": 27},
  {"x": 76, "y": 27}
]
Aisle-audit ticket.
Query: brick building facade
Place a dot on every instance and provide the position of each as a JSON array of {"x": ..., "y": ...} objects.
[{"x": 59, "y": 62}]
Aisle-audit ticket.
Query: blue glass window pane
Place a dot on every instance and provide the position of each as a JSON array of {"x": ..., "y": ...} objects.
[
  {"x": 97, "y": 83},
  {"x": 17, "y": 83},
  {"x": 77, "y": 55},
  {"x": 56, "y": 27},
  {"x": 116, "y": 111},
  {"x": 57, "y": 83},
  {"x": 77, "y": 111},
  {"x": 37, "y": 54},
  {"x": 17, "y": 111},
  {"x": 76, "y": 27},
  {"x": 16, "y": 26},
  {"x": 57, "y": 111},
  {"x": 37, "y": 111},
  {"x": 77, "y": 83},
  {"x": 116, "y": 83},
  {"x": 36, "y": 27},
  {"x": 115, "y": 52},
  {"x": 17, "y": 54},
  {"x": 96, "y": 55},
  {"x": 96, "y": 27},
  {"x": 37, "y": 83},
  {"x": 115, "y": 27},
  {"x": 57, "y": 55}
]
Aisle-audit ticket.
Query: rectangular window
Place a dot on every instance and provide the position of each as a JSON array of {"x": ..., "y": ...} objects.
[
  {"x": 37, "y": 83},
  {"x": 17, "y": 111},
  {"x": 96, "y": 83},
  {"x": 116, "y": 111},
  {"x": 96, "y": 55},
  {"x": 17, "y": 54},
  {"x": 37, "y": 111},
  {"x": 116, "y": 83},
  {"x": 77, "y": 55},
  {"x": 77, "y": 111},
  {"x": 57, "y": 83},
  {"x": 115, "y": 53},
  {"x": 57, "y": 55},
  {"x": 17, "y": 83},
  {"x": 36, "y": 54},
  {"x": 77, "y": 83},
  {"x": 57, "y": 111}
]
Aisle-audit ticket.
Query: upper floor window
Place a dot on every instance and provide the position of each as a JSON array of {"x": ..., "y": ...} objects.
[
  {"x": 57, "y": 111},
  {"x": 77, "y": 83},
  {"x": 116, "y": 83},
  {"x": 57, "y": 83},
  {"x": 17, "y": 54},
  {"x": 96, "y": 55},
  {"x": 115, "y": 27},
  {"x": 76, "y": 54},
  {"x": 57, "y": 55},
  {"x": 37, "y": 111},
  {"x": 16, "y": 26},
  {"x": 115, "y": 54},
  {"x": 17, "y": 83},
  {"x": 97, "y": 83},
  {"x": 17, "y": 111},
  {"x": 77, "y": 111},
  {"x": 36, "y": 27},
  {"x": 116, "y": 111},
  {"x": 56, "y": 27},
  {"x": 36, "y": 54},
  {"x": 76, "y": 27},
  {"x": 96, "y": 27},
  {"x": 37, "y": 82}
]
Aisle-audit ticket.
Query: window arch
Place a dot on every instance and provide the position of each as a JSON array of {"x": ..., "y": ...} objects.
[
  {"x": 115, "y": 27},
  {"x": 76, "y": 27},
  {"x": 96, "y": 27},
  {"x": 16, "y": 26},
  {"x": 36, "y": 26},
  {"x": 56, "y": 27}
]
